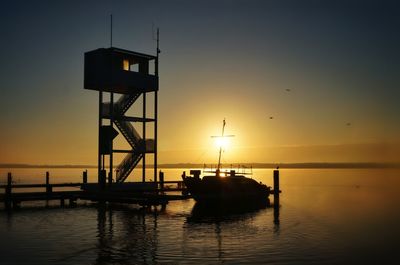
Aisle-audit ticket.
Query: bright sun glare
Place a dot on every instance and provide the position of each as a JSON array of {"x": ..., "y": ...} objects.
[{"x": 222, "y": 142}]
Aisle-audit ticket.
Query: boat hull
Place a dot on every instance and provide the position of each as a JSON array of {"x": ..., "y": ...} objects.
[{"x": 237, "y": 190}]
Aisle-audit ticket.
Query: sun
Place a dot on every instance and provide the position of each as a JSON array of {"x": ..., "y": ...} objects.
[{"x": 222, "y": 142}]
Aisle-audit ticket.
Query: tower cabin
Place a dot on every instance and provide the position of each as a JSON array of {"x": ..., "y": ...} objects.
[{"x": 119, "y": 71}]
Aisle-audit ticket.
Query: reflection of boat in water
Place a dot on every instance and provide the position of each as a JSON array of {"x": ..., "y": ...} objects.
[
  {"x": 232, "y": 187},
  {"x": 222, "y": 211}
]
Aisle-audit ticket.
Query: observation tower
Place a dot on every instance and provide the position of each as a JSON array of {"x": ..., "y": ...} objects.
[{"x": 126, "y": 78}]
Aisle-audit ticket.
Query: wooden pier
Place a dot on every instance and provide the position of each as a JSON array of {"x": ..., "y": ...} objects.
[{"x": 141, "y": 193}]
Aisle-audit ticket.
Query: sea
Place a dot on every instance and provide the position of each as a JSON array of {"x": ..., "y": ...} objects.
[{"x": 325, "y": 216}]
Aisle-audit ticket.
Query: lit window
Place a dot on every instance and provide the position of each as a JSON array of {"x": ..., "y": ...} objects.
[{"x": 126, "y": 65}]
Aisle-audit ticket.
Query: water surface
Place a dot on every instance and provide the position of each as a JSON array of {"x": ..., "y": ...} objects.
[{"x": 327, "y": 216}]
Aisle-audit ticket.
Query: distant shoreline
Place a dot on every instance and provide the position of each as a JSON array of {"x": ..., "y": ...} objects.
[{"x": 234, "y": 165}]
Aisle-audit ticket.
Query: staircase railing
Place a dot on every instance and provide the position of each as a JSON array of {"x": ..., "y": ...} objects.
[
  {"x": 125, "y": 102},
  {"x": 129, "y": 132},
  {"x": 127, "y": 165},
  {"x": 120, "y": 106}
]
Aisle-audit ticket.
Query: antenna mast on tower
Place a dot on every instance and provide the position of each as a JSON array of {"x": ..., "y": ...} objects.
[{"x": 111, "y": 30}]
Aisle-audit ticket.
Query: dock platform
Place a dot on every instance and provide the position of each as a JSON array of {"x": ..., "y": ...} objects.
[{"x": 140, "y": 193}]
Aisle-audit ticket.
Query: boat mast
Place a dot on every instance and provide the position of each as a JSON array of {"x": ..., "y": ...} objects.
[{"x": 220, "y": 148}]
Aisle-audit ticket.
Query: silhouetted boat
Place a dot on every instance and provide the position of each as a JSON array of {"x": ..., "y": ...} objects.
[{"x": 231, "y": 188}]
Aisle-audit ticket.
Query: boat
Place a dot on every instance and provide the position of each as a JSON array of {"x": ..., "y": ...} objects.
[{"x": 225, "y": 186}]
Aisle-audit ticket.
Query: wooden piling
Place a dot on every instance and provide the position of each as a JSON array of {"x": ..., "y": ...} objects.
[
  {"x": 276, "y": 188},
  {"x": 49, "y": 189},
  {"x": 161, "y": 178},
  {"x": 110, "y": 180},
  {"x": 9, "y": 182},
  {"x": 276, "y": 182},
  {"x": 7, "y": 201},
  {"x": 102, "y": 179},
  {"x": 84, "y": 177}
]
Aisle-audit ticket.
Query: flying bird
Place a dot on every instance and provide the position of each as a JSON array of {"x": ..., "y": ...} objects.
[
  {"x": 348, "y": 124},
  {"x": 288, "y": 89}
]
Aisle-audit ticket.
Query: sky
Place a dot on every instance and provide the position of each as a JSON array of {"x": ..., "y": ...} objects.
[{"x": 296, "y": 81}]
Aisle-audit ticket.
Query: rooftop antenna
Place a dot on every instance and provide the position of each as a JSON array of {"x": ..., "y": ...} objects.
[
  {"x": 158, "y": 41},
  {"x": 156, "y": 37},
  {"x": 111, "y": 28},
  {"x": 152, "y": 31}
]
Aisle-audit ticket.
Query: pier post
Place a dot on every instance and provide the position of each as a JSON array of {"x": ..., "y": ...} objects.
[
  {"x": 102, "y": 179},
  {"x": 48, "y": 187},
  {"x": 161, "y": 177},
  {"x": 7, "y": 201},
  {"x": 110, "y": 180},
  {"x": 84, "y": 177},
  {"x": 276, "y": 188},
  {"x": 9, "y": 182}
]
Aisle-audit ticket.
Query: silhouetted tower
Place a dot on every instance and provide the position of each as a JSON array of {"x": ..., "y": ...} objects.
[{"x": 126, "y": 73}]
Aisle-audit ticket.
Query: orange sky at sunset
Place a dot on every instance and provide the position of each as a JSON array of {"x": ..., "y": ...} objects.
[{"x": 294, "y": 83}]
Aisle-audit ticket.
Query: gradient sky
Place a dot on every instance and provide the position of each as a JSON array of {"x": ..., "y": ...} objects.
[{"x": 220, "y": 59}]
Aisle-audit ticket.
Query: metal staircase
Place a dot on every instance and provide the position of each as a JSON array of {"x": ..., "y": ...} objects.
[
  {"x": 121, "y": 106},
  {"x": 127, "y": 165},
  {"x": 128, "y": 131}
]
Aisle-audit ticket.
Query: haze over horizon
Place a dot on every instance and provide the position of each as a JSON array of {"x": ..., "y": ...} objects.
[{"x": 315, "y": 81}]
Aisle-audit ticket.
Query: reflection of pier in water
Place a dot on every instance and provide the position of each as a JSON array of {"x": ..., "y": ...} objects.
[
  {"x": 125, "y": 235},
  {"x": 130, "y": 236}
]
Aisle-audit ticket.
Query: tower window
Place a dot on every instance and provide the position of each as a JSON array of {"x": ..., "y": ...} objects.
[{"x": 126, "y": 65}]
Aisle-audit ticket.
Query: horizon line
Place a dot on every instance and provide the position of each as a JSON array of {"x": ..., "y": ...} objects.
[{"x": 201, "y": 165}]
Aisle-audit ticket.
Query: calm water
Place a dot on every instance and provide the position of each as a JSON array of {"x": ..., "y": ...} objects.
[{"x": 332, "y": 216}]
